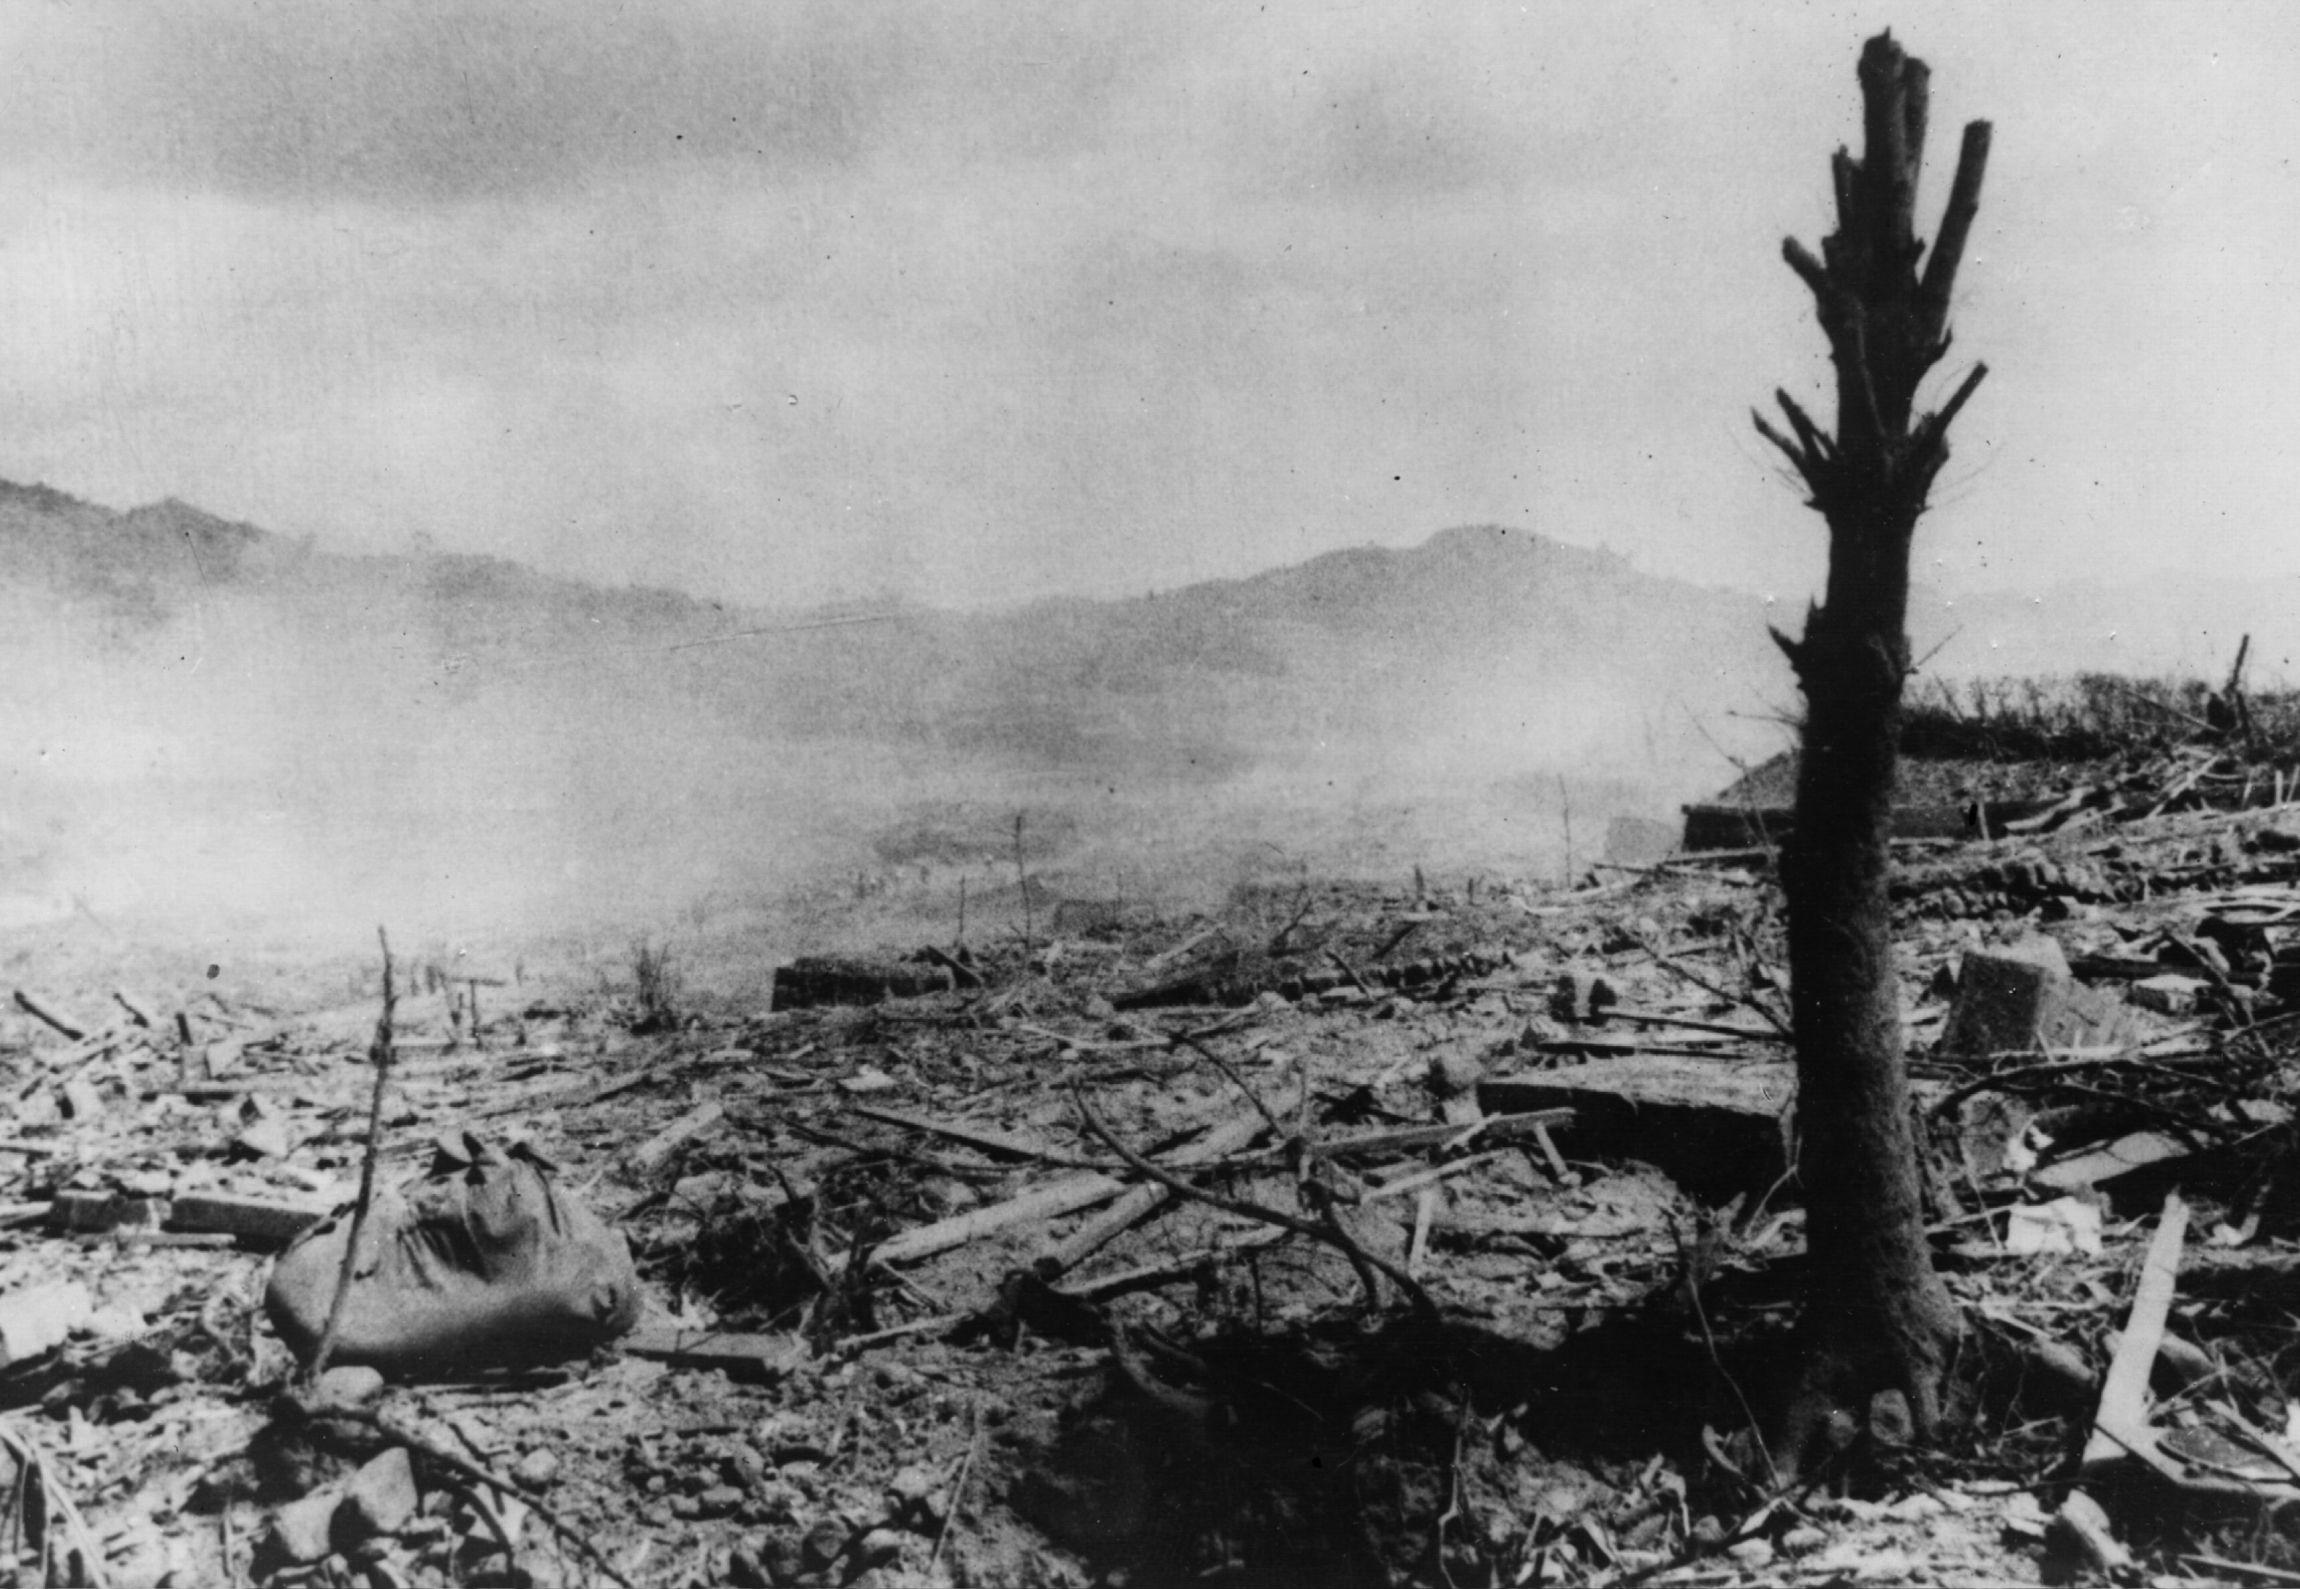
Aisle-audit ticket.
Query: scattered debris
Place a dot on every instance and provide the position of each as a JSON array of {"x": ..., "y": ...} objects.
[{"x": 852, "y": 1290}]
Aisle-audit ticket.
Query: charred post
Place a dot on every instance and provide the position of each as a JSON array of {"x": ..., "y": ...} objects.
[{"x": 1878, "y": 1319}]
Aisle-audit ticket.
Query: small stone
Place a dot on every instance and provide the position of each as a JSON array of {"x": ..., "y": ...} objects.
[
  {"x": 2081, "y": 1529},
  {"x": 1915, "y": 1508},
  {"x": 1798, "y": 1541},
  {"x": 824, "y": 1543},
  {"x": 538, "y": 1470},
  {"x": 267, "y": 1138},
  {"x": 1454, "y": 1073},
  {"x": 774, "y": 1503},
  {"x": 878, "y": 1547},
  {"x": 1708, "y": 1533},
  {"x": 2170, "y": 994},
  {"x": 746, "y": 1469},
  {"x": 381, "y": 1498},
  {"x": 686, "y": 1508},
  {"x": 909, "y": 1488},
  {"x": 747, "y": 1568},
  {"x": 720, "y": 1500},
  {"x": 1751, "y": 1553},
  {"x": 783, "y": 1556},
  {"x": 353, "y": 1386},
  {"x": 302, "y": 1530}
]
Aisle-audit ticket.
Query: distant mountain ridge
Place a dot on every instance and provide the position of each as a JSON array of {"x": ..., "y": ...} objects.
[
  {"x": 1364, "y": 643},
  {"x": 197, "y": 709}
]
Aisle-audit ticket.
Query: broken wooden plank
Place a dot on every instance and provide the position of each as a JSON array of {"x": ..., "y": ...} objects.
[
  {"x": 1004, "y": 1144},
  {"x": 1549, "y": 1154},
  {"x": 649, "y": 1155},
  {"x": 1417, "y": 1249},
  {"x": 256, "y": 1219},
  {"x": 2121, "y": 1426},
  {"x": 41, "y": 1011},
  {"x": 1066, "y": 1196},
  {"x": 1754, "y": 1034},
  {"x": 1498, "y": 1126},
  {"x": 2121, "y": 1157},
  {"x": 1426, "y": 1180},
  {"x": 1141, "y": 1202},
  {"x": 751, "y": 1357}
]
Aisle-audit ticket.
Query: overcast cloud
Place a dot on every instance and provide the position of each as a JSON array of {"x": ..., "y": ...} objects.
[{"x": 969, "y": 302}]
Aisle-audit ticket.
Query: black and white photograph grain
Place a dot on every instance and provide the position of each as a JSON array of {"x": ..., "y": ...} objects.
[{"x": 1021, "y": 794}]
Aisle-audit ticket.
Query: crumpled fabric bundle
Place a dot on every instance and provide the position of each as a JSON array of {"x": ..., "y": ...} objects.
[{"x": 482, "y": 1263}]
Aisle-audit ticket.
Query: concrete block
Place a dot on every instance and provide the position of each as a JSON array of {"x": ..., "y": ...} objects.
[
  {"x": 1715, "y": 1129},
  {"x": 2018, "y": 998},
  {"x": 2170, "y": 994}
]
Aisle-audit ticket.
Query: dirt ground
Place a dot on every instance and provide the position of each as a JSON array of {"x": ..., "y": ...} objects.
[{"x": 855, "y": 1368}]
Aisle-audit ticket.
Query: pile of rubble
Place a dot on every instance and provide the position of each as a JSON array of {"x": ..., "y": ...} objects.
[{"x": 1344, "y": 1234}]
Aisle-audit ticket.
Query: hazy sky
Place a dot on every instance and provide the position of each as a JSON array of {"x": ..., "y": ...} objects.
[{"x": 973, "y": 301}]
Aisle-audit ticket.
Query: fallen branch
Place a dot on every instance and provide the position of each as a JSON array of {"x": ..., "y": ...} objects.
[
  {"x": 1493, "y": 1128},
  {"x": 1332, "y": 1234},
  {"x": 380, "y": 1053},
  {"x": 649, "y": 1156},
  {"x": 1066, "y": 1196},
  {"x": 1349, "y": 971},
  {"x": 1746, "y": 1001},
  {"x": 1234, "y": 1079},
  {"x": 1428, "y": 1179},
  {"x": 957, "y": 1493},
  {"x": 1143, "y": 1201},
  {"x": 1643, "y": 1018},
  {"x": 1103, "y": 1287}
]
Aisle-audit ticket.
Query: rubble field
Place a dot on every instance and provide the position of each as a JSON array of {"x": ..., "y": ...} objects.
[{"x": 1439, "y": 1235}]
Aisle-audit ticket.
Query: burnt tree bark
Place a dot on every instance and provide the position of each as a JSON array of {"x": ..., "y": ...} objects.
[{"x": 1877, "y": 1318}]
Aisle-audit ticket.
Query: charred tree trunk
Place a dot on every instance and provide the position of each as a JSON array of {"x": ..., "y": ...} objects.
[{"x": 1878, "y": 1319}]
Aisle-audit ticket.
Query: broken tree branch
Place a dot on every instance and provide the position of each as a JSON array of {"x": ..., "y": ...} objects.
[
  {"x": 1332, "y": 1235},
  {"x": 1956, "y": 225},
  {"x": 380, "y": 1054}
]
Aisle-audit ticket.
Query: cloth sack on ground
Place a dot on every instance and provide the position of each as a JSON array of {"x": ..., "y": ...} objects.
[{"x": 482, "y": 1263}]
